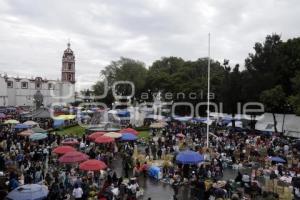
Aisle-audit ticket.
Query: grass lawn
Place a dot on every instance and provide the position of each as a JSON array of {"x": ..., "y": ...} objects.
[
  {"x": 144, "y": 134},
  {"x": 76, "y": 131}
]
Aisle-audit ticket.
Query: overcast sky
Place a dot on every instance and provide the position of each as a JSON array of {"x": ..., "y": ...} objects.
[{"x": 34, "y": 33}]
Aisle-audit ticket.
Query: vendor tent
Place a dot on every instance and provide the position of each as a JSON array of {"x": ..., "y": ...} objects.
[{"x": 288, "y": 123}]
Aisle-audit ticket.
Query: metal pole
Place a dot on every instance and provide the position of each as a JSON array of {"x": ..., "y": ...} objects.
[{"x": 208, "y": 92}]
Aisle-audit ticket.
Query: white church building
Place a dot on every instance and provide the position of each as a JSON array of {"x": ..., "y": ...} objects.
[{"x": 15, "y": 91}]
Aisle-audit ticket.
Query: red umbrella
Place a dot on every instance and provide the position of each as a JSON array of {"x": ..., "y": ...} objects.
[
  {"x": 70, "y": 141},
  {"x": 63, "y": 149},
  {"x": 92, "y": 165},
  {"x": 93, "y": 136},
  {"x": 104, "y": 140},
  {"x": 73, "y": 157},
  {"x": 129, "y": 130}
]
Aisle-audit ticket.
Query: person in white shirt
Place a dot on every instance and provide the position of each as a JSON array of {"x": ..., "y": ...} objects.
[
  {"x": 82, "y": 145},
  {"x": 77, "y": 192}
]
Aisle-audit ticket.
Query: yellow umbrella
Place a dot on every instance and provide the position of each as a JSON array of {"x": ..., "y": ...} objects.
[
  {"x": 113, "y": 135},
  {"x": 11, "y": 121},
  {"x": 65, "y": 117}
]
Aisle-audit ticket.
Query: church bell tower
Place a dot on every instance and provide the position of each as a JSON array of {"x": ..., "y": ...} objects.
[{"x": 68, "y": 66}]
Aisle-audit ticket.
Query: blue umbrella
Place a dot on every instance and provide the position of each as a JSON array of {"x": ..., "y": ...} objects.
[
  {"x": 128, "y": 137},
  {"x": 58, "y": 123},
  {"x": 277, "y": 159},
  {"x": 21, "y": 126},
  {"x": 29, "y": 192},
  {"x": 38, "y": 136},
  {"x": 189, "y": 157}
]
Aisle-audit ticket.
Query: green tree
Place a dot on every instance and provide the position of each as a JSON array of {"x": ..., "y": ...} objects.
[
  {"x": 231, "y": 91},
  {"x": 262, "y": 65},
  {"x": 294, "y": 99},
  {"x": 274, "y": 100},
  {"x": 124, "y": 69}
]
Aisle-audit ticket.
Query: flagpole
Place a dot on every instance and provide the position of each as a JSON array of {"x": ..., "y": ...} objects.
[{"x": 208, "y": 92}]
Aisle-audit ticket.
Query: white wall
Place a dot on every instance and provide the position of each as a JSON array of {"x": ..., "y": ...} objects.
[
  {"x": 3, "y": 92},
  {"x": 18, "y": 96}
]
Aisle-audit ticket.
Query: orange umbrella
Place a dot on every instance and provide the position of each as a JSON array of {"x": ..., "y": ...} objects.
[
  {"x": 26, "y": 133},
  {"x": 94, "y": 135},
  {"x": 104, "y": 140},
  {"x": 92, "y": 165}
]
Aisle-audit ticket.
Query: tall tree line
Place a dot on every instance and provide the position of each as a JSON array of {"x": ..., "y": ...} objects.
[{"x": 271, "y": 75}]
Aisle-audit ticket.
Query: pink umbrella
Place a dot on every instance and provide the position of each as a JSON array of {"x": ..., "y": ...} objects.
[
  {"x": 73, "y": 157},
  {"x": 70, "y": 141},
  {"x": 104, "y": 140},
  {"x": 63, "y": 149},
  {"x": 92, "y": 165},
  {"x": 94, "y": 135}
]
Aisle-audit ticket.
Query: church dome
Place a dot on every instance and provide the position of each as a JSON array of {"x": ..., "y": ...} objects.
[{"x": 68, "y": 52}]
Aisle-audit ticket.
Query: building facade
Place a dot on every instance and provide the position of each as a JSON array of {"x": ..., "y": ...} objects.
[{"x": 15, "y": 91}]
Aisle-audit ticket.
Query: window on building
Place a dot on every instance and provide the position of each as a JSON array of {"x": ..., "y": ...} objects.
[
  {"x": 24, "y": 85},
  {"x": 69, "y": 66},
  {"x": 38, "y": 86},
  {"x": 50, "y": 86},
  {"x": 10, "y": 84}
]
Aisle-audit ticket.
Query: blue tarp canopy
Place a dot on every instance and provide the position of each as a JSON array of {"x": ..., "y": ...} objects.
[
  {"x": 189, "y": 157},
  {"x": 199, "y": 119},
  {"x": 182, "y": 118},
  {"x": 226, "y": 121},
  {"x": 123, "y": 113}
]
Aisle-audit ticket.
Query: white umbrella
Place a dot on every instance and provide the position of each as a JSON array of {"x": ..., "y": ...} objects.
[
  {"x": 113, "y": 135},
  {"x": 30, "y": 123}
]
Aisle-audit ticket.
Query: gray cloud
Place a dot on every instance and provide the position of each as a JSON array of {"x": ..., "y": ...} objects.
[{"x": 33, "y": 34}]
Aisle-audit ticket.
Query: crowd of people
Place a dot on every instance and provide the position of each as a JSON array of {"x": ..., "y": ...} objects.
[{"x": 235, "y": 165}]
